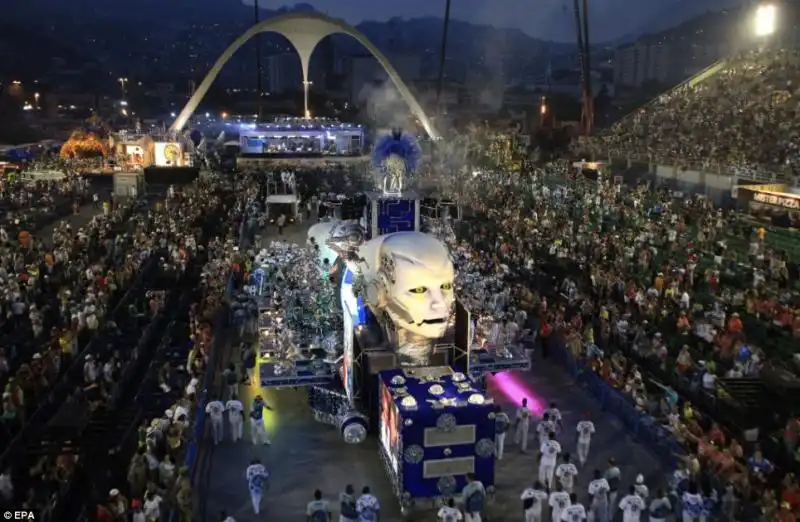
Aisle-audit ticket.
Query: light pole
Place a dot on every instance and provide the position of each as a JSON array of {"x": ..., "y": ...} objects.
[
  {"x": 36, "y": 97},
  {"x": 122, "y": 83},
  {"x": 442, "y": 55}
]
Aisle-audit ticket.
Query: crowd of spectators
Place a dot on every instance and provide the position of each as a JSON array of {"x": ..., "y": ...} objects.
[
  {"x": 157, "y": 481},
  {"x": 743, "y": 118},
  {"x": 59, "y": 296},
  {"x": 655, "y": 295}
]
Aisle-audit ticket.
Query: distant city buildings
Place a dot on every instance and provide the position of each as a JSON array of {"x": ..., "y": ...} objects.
[{"x": 664, "y": 62}]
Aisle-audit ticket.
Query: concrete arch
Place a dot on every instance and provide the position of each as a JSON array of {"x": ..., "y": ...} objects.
[{"x": 304, "y": 31}]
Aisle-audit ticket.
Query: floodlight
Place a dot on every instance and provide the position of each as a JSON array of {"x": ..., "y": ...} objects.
[{"x": 766, "y": 18}]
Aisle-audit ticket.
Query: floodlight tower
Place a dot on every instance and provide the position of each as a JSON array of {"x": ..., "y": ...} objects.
[{"x": 587, "y": 100}]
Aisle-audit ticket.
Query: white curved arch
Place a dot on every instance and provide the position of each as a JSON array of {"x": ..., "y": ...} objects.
[{"x": 304, "y": 31}]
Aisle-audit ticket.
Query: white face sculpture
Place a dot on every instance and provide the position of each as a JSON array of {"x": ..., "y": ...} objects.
[
  {"x": 319, "y": 233},
  {"x": 419, "y": 275}
]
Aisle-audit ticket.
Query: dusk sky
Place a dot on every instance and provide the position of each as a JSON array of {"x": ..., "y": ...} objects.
[{"x": 547, "y": 19}]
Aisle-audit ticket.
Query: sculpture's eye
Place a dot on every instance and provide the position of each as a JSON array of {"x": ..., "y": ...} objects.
[
  {"x": 419, "y": 290},
  {"x": 447, "y": 287}
]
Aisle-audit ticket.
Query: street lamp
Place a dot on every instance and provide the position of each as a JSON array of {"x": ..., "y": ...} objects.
[
  {"x": 765, "y": 20},
  {"x": 36, "y": 97},
  {"x": 122, "y": 83}
]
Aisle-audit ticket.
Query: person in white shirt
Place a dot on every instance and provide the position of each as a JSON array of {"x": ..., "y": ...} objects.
[
  {"x": 450, "y": 513},
  {"x": 554, "y": 414},
  {"x": 559, "y": 501},
  {"x": 575, "y": 512},
  {"x": 545, "y": 428},
  {"x": 533, "y": 499},
  {"x": 215, "y": 410},
  {"x": 585, "y": 431},
  {"x": 692, "y": 505},
  {"x": 523, "y": 422},
  {"x": 548, "y": 457},
  {"x": 632, "y": 506},
  {"x": 235, "y": 418},
  {"x": 501, "y": 423},
  {"x": 566, "y": 473},
  {"x": 152, "y": 506},
  {"x": 598, "y": 490},
  {"x": 640, "y": 488}
]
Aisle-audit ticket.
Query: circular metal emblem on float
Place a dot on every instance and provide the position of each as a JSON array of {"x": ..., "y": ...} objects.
[
  {"x": 459, "y": 377},
  {"x": 408, "y": 422},
  {"x": 353, "y": 426},
  {"x": 446, "y": 422},
  {"x": 354, "y": 433},
  {"x": 448, "y": 452},
  {"x": 414, "y": 454},
  {"x": 484, "y": 448},
  {"x": 398, "y": 380},
  {"x": 446, "y": 485},
  {"x": 436, "y": 390},
  {"x": 492, "y": 415}
]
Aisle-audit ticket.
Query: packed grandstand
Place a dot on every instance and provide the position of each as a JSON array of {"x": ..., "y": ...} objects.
[{"x": 687, "y": 310}]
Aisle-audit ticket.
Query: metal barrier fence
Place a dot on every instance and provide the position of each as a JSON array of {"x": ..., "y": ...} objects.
[{"x": 642, "y": 427}]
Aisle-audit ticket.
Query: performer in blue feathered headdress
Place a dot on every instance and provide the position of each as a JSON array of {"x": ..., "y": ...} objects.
[{"x": 395, "y": 155}]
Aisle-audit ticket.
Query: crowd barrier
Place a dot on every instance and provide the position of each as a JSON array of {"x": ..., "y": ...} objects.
[{"x": 642, "y": 427}]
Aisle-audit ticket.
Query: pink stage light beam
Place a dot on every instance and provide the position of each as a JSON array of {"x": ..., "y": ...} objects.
[{"x": 509, "y": 385}]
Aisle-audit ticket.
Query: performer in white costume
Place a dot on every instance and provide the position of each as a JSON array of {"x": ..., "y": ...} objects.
[
  {"x": 235, "y": 418},
  {"x": 256, "y": 475},
  {"x": 523, "y": 424},
  {"x": 408, "y": 280},
  {"x": 215, "y": 410}
]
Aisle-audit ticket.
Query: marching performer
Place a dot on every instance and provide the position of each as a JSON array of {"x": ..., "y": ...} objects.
[
  {"x": 523, "y": 424},
  {"x": 501, "y": 423},
  {"x": 258, "y": 433},
  {"x": 548, "y": 457},
  {"x": 566, "y": 473},
  {"x": 235, "y": 418},
  {"x": 215, "y": 409},
  {"x": 585, "y": 429},
  {"x": 257, "y": 476}
]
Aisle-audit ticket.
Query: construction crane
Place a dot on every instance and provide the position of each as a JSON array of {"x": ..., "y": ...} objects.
[{"x": 587, "y": 100}]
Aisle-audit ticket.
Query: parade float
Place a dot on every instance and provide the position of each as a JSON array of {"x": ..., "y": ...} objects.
[{"x": 367, "y": 317}]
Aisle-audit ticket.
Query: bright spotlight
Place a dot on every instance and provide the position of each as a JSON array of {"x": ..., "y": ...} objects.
[{"x": 766, "y": 18}]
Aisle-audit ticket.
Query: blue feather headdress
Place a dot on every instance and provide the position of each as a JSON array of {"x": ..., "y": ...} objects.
[{"x": 400, "y": 144}]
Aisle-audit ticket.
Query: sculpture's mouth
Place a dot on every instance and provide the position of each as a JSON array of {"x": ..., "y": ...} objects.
[{"x": 440, "y": 320}]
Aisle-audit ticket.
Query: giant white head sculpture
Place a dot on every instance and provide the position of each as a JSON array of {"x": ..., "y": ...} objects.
[{"x": 410, "y": 277}]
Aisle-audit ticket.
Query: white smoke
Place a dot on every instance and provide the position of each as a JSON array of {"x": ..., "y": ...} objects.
[{"x": 384, "y": 107}]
